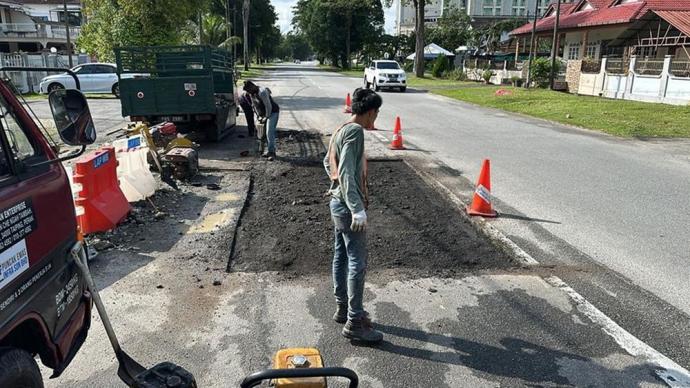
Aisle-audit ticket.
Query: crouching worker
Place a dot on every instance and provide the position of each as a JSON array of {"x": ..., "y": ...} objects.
[{"x": 346, "y": 166}]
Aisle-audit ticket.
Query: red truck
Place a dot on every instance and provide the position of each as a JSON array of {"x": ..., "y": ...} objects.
[{"x": 45, "y": 307}]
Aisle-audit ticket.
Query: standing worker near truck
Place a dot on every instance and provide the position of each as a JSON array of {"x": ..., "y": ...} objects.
[
  {"x": 346, "y": 166},
  {"x": 248, "y": 109},
  {"x": 267, "y": 111}
]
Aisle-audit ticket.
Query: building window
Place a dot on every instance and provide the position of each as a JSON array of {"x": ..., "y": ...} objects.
[
  {"x": 491, "y": 7},
  {"x": 519, "y": 8},
  {"x": 543, "y": 5},
  {"x": 591, "y": 50},
  {"x": 574, "y": 51}
]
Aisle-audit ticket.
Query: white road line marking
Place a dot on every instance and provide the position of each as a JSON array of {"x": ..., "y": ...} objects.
[{"x": 673, "y": 374}]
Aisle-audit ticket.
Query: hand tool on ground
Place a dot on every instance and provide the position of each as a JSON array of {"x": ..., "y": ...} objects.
[{"x": 132, "y": 373}]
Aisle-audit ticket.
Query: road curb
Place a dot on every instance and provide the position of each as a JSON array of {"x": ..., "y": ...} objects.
[{"x": 497, "y": 237}]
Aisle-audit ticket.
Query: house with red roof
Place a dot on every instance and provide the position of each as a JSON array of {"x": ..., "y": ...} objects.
[{"x": 616, "y": 28}]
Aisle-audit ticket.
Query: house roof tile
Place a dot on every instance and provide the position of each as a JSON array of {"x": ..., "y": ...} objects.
[{"x": 609, "y": 12}]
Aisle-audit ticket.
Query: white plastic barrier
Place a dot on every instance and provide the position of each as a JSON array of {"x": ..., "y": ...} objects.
[
  {"x": 75, "y": 187},
  {"x": 136, "y": 181}
]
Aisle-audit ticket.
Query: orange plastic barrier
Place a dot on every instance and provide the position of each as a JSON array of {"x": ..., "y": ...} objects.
[{"x": 100, "y": 203}]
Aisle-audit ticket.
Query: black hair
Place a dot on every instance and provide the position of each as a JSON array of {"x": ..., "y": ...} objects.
[
  {"x": 248, "y": 85},
  {"x": 364, "y": 100}
]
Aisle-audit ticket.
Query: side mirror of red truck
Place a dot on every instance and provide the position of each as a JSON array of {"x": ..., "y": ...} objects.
[{"x": 72, "y": 117}]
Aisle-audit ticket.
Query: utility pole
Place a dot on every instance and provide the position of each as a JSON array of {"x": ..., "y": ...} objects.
[
  {"x": 234, "y": 30},
  {"x": 532, "y": 42},
  {"x": 555, "y": 44},
  {"x": 69, "y": 41},
  {"x": 245, "y": 38}
]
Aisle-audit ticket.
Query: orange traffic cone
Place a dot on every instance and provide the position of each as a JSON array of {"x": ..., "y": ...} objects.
[
  {"x": 481, "y": 202},
  {"x": 348, "y": 104},
  {"x": 397, "y": 143}
]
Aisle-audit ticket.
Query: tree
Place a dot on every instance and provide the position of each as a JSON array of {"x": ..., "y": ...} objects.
[
  {"x": 489, "y": 36},
  {"x": 337, "y": 28},
  {"x": 419, "y": 32},
  {"x": 295, "y": 46},
  {"x": 263, "y": 34},
  {"x": 112, "y": 23},
  {"x": 452, "y": 29}
]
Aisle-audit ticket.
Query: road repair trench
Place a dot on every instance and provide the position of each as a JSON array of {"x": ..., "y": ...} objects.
[{"x": 286, "y": 225}]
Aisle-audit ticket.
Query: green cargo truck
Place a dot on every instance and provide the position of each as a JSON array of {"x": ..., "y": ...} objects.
[{"x": 192, "y": 86}]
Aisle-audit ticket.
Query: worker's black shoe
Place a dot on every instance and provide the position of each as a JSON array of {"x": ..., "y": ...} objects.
[
  {"x": 361, "y": 329},
  {"x": 340, "y": 315}
]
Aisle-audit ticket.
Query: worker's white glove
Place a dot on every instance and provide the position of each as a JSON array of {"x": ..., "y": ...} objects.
[{"x": 359, "y": 221}]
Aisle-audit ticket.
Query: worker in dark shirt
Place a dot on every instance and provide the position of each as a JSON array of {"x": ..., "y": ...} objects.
[
  {"x": 246, "y": 105},
  {"x": 267, "y": 111}
]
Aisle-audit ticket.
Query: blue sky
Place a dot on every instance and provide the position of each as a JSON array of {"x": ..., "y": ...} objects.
[{"x": 284, "y": 11}]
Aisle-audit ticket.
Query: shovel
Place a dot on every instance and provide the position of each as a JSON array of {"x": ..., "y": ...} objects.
[{"x": 130, "y": 371}]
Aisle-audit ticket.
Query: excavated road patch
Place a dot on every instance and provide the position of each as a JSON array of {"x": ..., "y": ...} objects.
[{"x": 287, "y": 227}]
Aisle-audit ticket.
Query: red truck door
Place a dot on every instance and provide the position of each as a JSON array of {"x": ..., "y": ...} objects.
[{"x": 39, "y": 285}]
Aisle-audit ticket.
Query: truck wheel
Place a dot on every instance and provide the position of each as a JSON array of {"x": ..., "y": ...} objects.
[
  {"x": 366, "y": 84},
  {"x": 19, "y": 369},
  {"x": 376, "y": 86},
  {"x": 116, "y": 90},
  {"x": 403, "y": 88}
]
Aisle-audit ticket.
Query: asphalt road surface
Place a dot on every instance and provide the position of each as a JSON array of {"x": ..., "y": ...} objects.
[
  {"x": 622, "y": 202},
  {"x": 485, "y": 328}
]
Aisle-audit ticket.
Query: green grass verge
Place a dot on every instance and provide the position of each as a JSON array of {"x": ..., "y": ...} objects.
[
  {"x": 432, "y": 83},
  {"x": 253, "y": 72},
  {"x": 357, "y": 72},
  {"x": 616, "y": 117},
  {"x": 93, "y": 96}
]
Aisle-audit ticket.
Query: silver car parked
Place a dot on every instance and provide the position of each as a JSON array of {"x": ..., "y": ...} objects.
[{"x": 93, "y": 78}]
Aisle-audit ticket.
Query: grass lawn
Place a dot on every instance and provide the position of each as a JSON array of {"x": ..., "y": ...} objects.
[
  {"x": 357, "y": 72},
  {"x": 616, "y": 117},
  {"x": 94, "y": 96},
  {"x": 253, "y": 72},
  {"x": 431, "y": 83}
]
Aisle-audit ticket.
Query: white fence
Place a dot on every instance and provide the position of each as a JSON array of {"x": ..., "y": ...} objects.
[
  {"x": 631, "y": 85},
  {"x": 499, "y": 76},
  {"x": 28, "y": 82}
]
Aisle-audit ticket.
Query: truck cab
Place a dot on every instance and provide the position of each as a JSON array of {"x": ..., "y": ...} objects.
[{"x": 45, "y": 307}]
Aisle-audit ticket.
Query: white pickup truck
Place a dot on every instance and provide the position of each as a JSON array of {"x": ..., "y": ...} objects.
[{"x": 385, "y": 75}]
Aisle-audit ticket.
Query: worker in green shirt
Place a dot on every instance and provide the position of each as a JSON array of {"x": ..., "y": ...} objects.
[{"x": 346, "y": 166}]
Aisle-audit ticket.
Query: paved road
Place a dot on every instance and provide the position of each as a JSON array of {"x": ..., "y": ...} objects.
[
  {"x": 623, "y": 203},
  {"x": 488, "y": 328}
]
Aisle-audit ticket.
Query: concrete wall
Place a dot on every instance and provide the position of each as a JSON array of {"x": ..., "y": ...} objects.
[
  {"x": 499, "y": 77},
  {"x": 591, "y": 84},
  {"x": 615, "y": 86},
  {"x": 678, "y": 88},
  {"x": 663, "y": 88},
  {"x": 646, "y": 85}
]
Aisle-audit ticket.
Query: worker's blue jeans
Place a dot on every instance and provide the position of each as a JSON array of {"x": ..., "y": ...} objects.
[
  {"x": 349, "y": 261},
  {"x": 271, "y": 131}
]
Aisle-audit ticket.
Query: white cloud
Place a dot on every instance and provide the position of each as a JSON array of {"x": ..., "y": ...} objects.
[{"x": 284, "y": 11}]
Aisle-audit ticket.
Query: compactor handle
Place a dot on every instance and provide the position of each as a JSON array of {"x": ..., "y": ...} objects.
[{"x": 269, "y": 374}]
